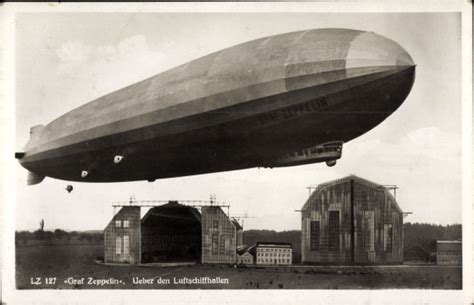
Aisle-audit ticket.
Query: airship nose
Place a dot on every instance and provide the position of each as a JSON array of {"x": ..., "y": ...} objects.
[
  {"x": 387, "y": 65},
  {"x": 373, "y": 50}
]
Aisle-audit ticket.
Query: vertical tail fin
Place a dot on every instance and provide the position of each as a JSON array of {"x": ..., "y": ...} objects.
[
  {"x": 35, "y": 133},
  {"x": 34, "y": 178}
]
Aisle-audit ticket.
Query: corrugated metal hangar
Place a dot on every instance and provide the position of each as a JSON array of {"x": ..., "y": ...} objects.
[
  {"x": 172, "y": 233},
  {"x": 351, "y": 209}
]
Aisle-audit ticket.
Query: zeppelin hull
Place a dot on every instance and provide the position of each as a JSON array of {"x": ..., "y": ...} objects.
[
  {"x": 238, "y": 117},
  {"x": 242, "y": 143}
]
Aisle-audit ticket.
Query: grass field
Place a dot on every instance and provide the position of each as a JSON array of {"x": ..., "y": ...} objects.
[{"x": 72, "y": 266}]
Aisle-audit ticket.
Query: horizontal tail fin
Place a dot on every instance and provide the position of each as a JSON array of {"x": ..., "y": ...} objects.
[
  {"x": 34, "y": 178},
  {"x": 19, "y": 155}
]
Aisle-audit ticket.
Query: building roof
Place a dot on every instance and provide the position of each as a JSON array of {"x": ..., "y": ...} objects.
[
  {"x": 236, "y": 224},
  {"x": 448, "y": 245},
  {"x": 121, "y": 212},
  {"x": 366, "y": 182},
  {"x": 243, "y": 248},
  {"x": 272, "y": 243},
  {"x": 233, "y": 221},
  {"x": 416, "y": 245}
]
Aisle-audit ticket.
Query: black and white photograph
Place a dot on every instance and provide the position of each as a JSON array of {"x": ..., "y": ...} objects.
[{"x": 263, "y": 151}]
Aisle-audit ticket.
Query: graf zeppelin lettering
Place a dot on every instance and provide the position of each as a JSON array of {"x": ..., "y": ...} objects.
[{"x": 294, "y": 111}]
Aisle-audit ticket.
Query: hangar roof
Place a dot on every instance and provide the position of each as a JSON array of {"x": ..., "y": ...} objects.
[
  {"x": 366, "y": 182},
  {"x": 173, "y": 210}
]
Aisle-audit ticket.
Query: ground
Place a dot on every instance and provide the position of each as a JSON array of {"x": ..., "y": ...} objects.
[{"x": 73, "y": 266}]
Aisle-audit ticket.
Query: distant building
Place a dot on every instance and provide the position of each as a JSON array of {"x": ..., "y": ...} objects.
[
  {"x": 449, "y": 252},
  {"x": 245, "y": 255},
  {"x": 351, "y": 221},
  {"x": 416, "y": 253},
  {"x": 219, "y": 236},
  {"x": 122, "y": 237},
  {"x": 273, "y": 253}
]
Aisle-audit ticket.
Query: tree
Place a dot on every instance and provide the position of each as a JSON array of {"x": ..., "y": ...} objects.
[{"x": 60, "y": 234}]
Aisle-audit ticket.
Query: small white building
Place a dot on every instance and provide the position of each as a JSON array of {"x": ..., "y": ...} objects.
[
  {"x": 245, "y": 256},
  {"x": 273, "y": 253}
]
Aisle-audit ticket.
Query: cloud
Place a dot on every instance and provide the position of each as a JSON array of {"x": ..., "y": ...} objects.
[
  {"x": 423, "y": 147},
  {"x": 131, "y": 44},
  {"x": 434, "y": 143},
  {"x": 76, "y": 51},
  {"x": 425, "y": 163},
  {"x": 98, "y": 69},
  {"x": 132, "y": 49},
  {"x": 73, "y": 51}
]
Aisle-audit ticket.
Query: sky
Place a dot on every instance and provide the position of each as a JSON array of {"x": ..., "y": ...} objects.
[{"x": 65, "y": 60}]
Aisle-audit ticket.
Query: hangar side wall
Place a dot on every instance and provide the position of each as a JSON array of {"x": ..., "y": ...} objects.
[
  {"x": 335, "y": 199},
  {"x": 378, "y": 226},
  {"x": 122, "y": 237},
  {"x": 218, "y": 237},
  {"x": 240, "y": 238}
]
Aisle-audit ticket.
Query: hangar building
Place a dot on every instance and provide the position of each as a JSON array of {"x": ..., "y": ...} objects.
[
  {"x": 172, "y": 233},
  {"x": 351, "y": 209}
]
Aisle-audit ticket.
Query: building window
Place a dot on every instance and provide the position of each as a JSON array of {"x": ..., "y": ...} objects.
[
  {"x": 118, "y": 245},
  {"x": 369, "y": 231},
  {"x": 118, "y": 223},
  {"x": 215, "y": 243},
  {"x": 126, "y": 223},
  {"x": 333, "y": 231},
  {"x": 126, "y": 245},
  {"x": 215, "y": 224},
  {"x": 314, "y": 236},
  {"x": 222, "y": 245},
  {"x": 387, "y": 237}
]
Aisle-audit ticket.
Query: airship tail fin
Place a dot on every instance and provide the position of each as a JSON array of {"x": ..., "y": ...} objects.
[{"x": 34, "y": 178}]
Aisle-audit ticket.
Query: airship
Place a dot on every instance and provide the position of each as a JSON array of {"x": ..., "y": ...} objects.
[{"x": 283, "y": 100}]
